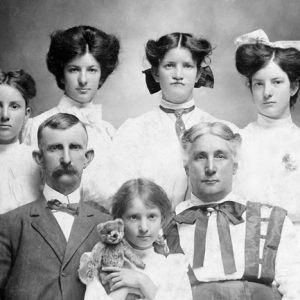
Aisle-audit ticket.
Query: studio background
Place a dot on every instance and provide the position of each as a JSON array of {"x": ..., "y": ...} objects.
[{"x": 25, "y": 27}]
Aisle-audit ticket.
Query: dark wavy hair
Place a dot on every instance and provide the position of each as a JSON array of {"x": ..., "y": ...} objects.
[
  {"x": 21, "y": 81},
  {"x": 149, "y": 192},
  {"x": 67, "y": 44},
  {"x": 250, "y": 58},
  {"x": 156, "y": 50}
]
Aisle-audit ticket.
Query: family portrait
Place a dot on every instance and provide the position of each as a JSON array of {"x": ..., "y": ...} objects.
[{"x": 149, "y": 150}]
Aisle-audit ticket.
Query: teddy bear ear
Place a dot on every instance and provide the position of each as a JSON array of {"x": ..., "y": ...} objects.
[
  {"x": 120, "y": 222},
  {"x": 100, "y": 227}
]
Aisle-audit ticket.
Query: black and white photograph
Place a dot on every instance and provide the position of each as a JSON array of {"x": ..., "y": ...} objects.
[{"x": 149, "y": 149}]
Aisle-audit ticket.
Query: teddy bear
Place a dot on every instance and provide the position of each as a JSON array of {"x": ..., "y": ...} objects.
[{"x": 110, "y": 251}]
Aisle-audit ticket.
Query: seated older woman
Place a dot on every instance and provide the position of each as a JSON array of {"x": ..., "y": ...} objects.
[{"x": 235, "y": 251}]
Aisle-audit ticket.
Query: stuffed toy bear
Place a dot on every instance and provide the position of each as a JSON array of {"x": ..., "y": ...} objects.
[{"x": 110, "y": 251}]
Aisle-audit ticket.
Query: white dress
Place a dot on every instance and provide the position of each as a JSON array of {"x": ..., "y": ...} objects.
[
  {"x": 20, "y": 181},
  {"x": 269, "y": 165},
  {"x": 148, "y": 146},
  {"x": 100, "y": 134},
  {"x": 169, "y": 274}
]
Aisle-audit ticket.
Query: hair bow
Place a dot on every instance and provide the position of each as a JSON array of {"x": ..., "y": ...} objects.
[
  {"x": 206, "y": 79},
  {"x": 260, "y": 37}
]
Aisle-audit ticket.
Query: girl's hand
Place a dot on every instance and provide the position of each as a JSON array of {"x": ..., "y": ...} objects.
[
  {"x": 120, "y": 277},
  {"x": 124, "y": 277}
]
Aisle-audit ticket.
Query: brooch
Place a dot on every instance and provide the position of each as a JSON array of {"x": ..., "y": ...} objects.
[{"x": 289, "y": 163}]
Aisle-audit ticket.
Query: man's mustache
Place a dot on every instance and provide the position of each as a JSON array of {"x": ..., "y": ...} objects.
[{"x": 67, "y": 170}]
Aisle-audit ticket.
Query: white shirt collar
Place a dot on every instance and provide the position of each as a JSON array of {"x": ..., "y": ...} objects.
[
  {"x": 230, "y": 197},
  {"x": 265, "y": 122},
  {"x": 66, "y": 102},
  {"x": 51, "y": 194},
  {"x": 170, "y": 105},
  {"x": 195, "y": 201}
]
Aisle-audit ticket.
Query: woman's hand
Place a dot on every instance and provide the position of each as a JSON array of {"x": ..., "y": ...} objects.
[{"x": 120, "y": 277}]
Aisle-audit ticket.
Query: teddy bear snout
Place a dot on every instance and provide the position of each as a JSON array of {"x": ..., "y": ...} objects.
[{"x": 115, "y": 235}]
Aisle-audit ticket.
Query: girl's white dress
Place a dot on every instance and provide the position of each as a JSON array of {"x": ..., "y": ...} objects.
[
  {"x": 20, "y": 181},
  {"x": 169, "y": 274},
  {"x": 148, "y": 146},
  {"x": 269, "y": 165}
]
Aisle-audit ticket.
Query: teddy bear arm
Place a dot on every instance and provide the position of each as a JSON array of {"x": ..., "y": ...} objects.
[
  {"x": 132, "y": 257},
  {"x": 97, "y": 254}
]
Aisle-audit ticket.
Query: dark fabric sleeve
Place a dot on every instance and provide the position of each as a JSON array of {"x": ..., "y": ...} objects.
[{"x": 5, "y": 253}]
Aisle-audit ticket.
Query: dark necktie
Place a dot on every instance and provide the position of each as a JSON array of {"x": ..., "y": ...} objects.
[
  {"x": 228, "y": 211},
  {"x": 179, "y": 124},
  {"x": 71, "y": 208}
]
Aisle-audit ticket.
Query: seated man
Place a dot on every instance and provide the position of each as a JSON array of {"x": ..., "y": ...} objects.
[
  {"x": 235, "y": 251},
  {"x": 41, "y": 242}
]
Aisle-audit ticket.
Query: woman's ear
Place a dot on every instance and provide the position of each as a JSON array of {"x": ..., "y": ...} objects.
[
  {"x": 27, "y": 113},
  {"x": 155, "y": 75},
  {"x": 186, "y": 170},
  {"x": 294, "y": 88}
]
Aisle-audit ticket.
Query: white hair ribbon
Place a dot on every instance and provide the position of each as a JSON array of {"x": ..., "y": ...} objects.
[{"x": 259, "y": 36}]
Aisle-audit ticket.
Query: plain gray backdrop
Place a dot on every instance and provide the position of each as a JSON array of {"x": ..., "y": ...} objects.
[{"x": 25, "y": 26}]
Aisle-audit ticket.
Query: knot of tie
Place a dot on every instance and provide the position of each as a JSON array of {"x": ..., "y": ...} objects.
[
  {"x": 179, "y": 124},
  {"x": 228, "y": 211},
  {"x": 70, "y": 208}
]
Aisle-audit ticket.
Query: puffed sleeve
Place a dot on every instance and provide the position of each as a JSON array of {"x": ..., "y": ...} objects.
[
  {"x": 87, "y": 269},
  {"x": 288, "y": 263},
  {"x": 177, "y": 285}
]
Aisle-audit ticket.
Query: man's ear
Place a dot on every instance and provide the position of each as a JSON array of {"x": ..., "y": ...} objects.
[
  {"x": 89, "y": 155},
  {"x": 155, "y": 75},
  {"x": 38, "y": 157},
  {"x": 294, "y": 88}
]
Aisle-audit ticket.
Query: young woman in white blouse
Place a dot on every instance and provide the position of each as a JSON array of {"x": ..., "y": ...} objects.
[
  {"x": 269, "y": 168},
  {"x": 148, "y": 146},
  {"x": 19, "y": 176}
]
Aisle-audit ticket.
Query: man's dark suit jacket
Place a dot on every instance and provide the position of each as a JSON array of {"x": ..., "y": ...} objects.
[{"x": 36, "y": 262}]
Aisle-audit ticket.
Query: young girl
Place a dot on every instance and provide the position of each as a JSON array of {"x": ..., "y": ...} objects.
[
  {"x": 19, "y": 176},
  {"x": 269, "y": 168},
  {"x": 148, "y": 146},
  {"x": 144, "y": 208}
]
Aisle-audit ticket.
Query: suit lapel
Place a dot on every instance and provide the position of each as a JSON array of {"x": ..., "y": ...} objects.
[
  {"x": 46, "y": 225},
  {"x": 82, "y": 226}
]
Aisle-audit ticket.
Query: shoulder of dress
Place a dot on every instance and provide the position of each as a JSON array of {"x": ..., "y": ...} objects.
[
  {"x": 26, "y": 148},
  {"x": 178, "y": 259},
  {"x": 138, "y": 124},
  {"x": 107, "y": 125},
  {"x": 46, "y": 114}
]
